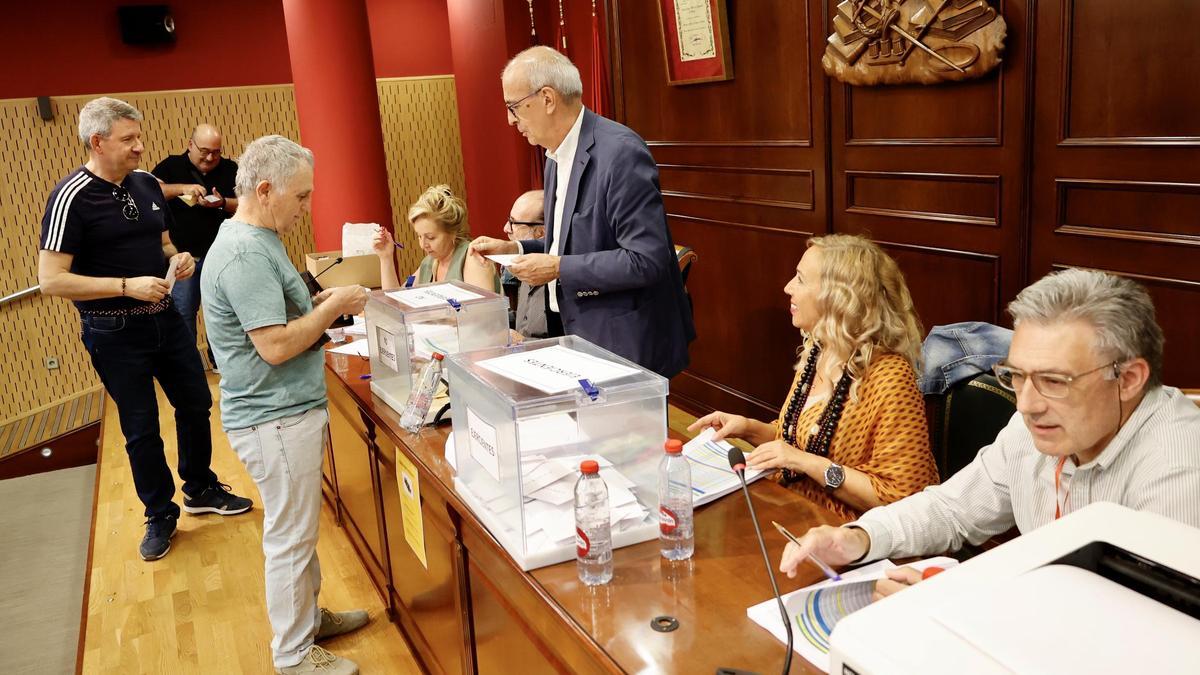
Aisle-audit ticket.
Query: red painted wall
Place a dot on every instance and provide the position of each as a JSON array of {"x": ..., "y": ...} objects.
[
  {"x": 410, "y": 38},
  {"x": 70, "y": 47},
  {"x": 484, "y": 34}
]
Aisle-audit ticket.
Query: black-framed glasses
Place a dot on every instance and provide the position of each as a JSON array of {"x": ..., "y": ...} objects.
[
  {"x": 508, "y": 225},
  {"x": 205, "y": 152},
  {"x": 130, "y": 208},
  {"x": 512, "y": 107},
  {"x": 1050, "y": 385}
]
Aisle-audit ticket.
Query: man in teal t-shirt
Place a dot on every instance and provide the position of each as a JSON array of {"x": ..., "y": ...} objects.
[{"x": 264, "y": 331}]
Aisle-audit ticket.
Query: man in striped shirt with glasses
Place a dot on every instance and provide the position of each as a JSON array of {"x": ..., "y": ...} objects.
[{"x": 1093, "y": 423}]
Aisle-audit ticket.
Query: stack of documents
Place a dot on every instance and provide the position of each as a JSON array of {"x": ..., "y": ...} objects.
[
  {"x": 816, "y": 609},
  {"x": 711, "y": 476}
]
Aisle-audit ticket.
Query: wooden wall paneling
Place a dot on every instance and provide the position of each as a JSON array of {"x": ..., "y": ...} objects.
[
  {"x": 937, "y": 171},
  {"x": 420, "y": 122},
  {"x": 742, "y": 169},
  {"x": 1115, "y": 172}
]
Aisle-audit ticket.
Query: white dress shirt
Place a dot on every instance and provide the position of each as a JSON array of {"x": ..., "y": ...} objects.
[
  {"x": 564, "y": 157},
  {"x": 1152, "y": 464}
]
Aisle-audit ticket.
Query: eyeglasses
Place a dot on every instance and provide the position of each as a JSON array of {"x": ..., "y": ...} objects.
[
  {"x": 527, "y": 223},
  {"x": 1050, "y": 385},
  {"x": 205, "y": 152},
  {"x": 130, "y": 209},
  {"x": 512, "y": 107}
]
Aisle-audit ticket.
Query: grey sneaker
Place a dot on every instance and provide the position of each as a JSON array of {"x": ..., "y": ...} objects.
[
  {"x": 157, "y": 541},
  {"x": 339, "y": 623},
  {"x": 318, "y": 660}
]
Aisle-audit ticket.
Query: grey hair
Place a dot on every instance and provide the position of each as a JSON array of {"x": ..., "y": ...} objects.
[
  {"x": 271, "y": 158},
  {"x": 547, "y": 67},
  {"x": 1119, "y": 309},
  {"x": 98, "y": 116}
]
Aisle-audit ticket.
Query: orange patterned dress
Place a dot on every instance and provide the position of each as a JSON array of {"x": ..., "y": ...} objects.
[{"x": 882, "y": 434}]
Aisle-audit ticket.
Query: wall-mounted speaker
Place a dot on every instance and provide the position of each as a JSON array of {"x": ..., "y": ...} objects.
[
  {"x": 146, "y": 24},
  {"x": 45, "y": 111}
]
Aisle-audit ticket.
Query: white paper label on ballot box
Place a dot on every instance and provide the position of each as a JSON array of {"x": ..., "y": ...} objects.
[
  {"x": 387, "y": 349},
  {"x": 483, "y": 444}
]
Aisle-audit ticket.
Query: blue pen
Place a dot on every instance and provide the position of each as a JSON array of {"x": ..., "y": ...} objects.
[{"x": 826, "y": 569}]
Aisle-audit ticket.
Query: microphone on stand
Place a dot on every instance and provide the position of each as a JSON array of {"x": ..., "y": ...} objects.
[
  {"x": 737, "y": 462},
  {"x": 314, "y": 288}
]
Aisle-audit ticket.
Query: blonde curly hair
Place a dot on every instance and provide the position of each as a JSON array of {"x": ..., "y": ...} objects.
[
  {"x": 864, "y": 304},
  {"x": 439, "y": 204}
]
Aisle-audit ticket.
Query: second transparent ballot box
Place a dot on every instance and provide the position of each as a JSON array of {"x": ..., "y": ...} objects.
[
  {"x": 405, "y": 327},
  {"x": 523, "y": 422}
]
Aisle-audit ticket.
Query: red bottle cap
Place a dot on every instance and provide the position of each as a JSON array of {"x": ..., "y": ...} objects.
[
  {"x": 439, "y": 356},
  {"x": 673, "y": 446},
  {"x": 931, "y": 572},
  {"x": 589, "y": 466}
]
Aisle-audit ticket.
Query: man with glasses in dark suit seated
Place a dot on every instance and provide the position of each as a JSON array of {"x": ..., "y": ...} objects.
[
  {"x": 105, "y": 246},
  {"x": 1093, "y": 423},
  {"x": 525, "y": 222}
]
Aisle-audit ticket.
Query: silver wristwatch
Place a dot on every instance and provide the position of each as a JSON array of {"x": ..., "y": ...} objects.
[{"x": 835, "y": 475}]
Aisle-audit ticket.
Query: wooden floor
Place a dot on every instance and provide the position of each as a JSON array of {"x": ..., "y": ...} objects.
[{"x": 201, "y": 608}]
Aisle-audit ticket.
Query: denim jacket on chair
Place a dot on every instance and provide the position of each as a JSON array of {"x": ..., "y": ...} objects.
[{"x": 960, "y": 351}]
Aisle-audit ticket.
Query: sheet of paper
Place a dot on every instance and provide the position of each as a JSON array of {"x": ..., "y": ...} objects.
[
  {"x": 711, "y": 476},
  {"x": 484, "y": 448},
  {"x": 171, "y": 268},
  {"x": 387, "y": 348},
  {"x": 357, "y": 237},
  {"x": 431, "y": 337},
  {"x": 356, "y": 348},
  {"x": 432, "y": 296},
  {"x": 451, "y": 458},
  {"x": 815, "y": 610},
  {"x": 359, "y": 327},
  {"x": 504, "y": 259},
  {"x": 555, "y": 369},
  {"x": 410, "y": 506},
  {"x": 187, "y": 199},
  {"x": 212, "y": 199},
  {"x": 537, "y": 433}
]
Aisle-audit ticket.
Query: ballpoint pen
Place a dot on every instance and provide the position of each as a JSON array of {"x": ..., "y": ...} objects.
[{"x": 826, "y": 569}]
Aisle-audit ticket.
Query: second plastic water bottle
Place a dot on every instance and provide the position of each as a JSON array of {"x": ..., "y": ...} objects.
[
  {"x": 593, "y": 527},
  {"x": 421, "y": 395},
  {"x": 675, "y": 532}
]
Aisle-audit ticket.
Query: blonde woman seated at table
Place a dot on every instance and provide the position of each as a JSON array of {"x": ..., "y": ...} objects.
[
  {"x": 852, "y": 433},
  {"x": 439, "y": 220}
]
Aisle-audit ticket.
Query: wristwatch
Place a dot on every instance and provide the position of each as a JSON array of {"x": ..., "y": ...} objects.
[{"x": 835, "y": 475}]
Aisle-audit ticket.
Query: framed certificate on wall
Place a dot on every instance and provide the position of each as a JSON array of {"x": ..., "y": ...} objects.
[{"x": 696, "y": 40}]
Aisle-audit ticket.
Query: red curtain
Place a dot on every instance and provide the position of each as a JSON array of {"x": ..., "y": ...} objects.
[{"x": 598, "y": 98}]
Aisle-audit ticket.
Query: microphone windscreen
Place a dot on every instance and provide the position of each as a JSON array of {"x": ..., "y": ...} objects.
[{"x": 737, "y": 460}]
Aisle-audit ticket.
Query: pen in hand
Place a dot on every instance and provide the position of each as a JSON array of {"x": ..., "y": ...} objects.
[{"x": 826, "y": 569}]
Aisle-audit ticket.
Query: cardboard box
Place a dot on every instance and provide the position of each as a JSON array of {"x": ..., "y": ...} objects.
[{"x": 357, "y": 269}]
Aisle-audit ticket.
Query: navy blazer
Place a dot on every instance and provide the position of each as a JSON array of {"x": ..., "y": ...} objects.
[{"x": 619, "y": 284}]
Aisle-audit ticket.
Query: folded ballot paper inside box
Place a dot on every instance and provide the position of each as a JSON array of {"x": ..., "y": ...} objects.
[{"x": 523, "y": 422}]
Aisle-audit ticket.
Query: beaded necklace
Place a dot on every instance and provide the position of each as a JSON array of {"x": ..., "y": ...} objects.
[{"x": 818, "y": 442}]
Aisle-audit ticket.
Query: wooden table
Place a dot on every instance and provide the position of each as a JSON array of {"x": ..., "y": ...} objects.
[{"x": 475, "y": 611}]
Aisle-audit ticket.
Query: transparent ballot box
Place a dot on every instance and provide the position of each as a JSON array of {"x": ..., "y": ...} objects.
[
  {"x": 406, "y": 326},
  {"x": 522, "y": 425}
]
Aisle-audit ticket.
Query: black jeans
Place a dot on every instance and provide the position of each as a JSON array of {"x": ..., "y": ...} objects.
[{"x": 129, "y": 353}]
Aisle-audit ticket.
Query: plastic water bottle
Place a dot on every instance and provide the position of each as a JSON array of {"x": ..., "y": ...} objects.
[
  {"x": 421, "y": 395},
  {"x": 676, "y": 535},
  {"x": 593, "y": 527}
]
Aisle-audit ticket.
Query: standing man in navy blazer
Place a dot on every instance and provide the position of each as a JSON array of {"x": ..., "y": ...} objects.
[{"x": 607, "y": 255}]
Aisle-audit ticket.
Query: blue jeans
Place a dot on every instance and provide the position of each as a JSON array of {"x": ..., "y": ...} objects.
[
  {"x": 129, "y": 353},
  {"x": 186, "y": 297}
]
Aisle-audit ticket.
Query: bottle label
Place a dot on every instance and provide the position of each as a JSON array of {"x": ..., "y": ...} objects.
[
  {"x": 667, "y": 520},
  {"x": 583, "y": 545}
]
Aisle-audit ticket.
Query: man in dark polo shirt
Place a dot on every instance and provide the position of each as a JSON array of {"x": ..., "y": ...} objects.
[
  {"x": 105, "y": 246},
  {"x": 198, "y": 186}
]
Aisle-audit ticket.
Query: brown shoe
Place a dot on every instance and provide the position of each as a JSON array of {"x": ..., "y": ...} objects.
[
  {"x": 340, "y": 623},
  {"x": 318, "y": 660}
]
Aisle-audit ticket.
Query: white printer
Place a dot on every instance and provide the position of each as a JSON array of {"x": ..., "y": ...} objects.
[{"x": 1103, "y": 590}]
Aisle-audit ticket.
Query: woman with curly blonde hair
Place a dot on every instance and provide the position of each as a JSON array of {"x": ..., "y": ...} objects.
[
  {"x": 439, "y": 220},
  {"x": 852, "y": 433}
]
